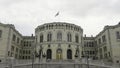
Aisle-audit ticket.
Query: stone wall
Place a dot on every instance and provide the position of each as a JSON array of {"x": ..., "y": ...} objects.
[{"x": 59, "y": 65}]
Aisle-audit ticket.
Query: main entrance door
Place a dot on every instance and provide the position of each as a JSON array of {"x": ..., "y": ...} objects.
[{"x": 59, "y": 54}]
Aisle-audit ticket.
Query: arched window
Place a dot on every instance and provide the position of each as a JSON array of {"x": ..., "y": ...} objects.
[
  {"x": 41, "y": 38},
  {"x": 59, "y": 36},
  {"x": 76, "y": 38},
  {"x": 69, "y": 54},
  {"x": 69, "y": 37},
  {"x": 49, "y": 37},
  {"x": 49, "y": 54}
]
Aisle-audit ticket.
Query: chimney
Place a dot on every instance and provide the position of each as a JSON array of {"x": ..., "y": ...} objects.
[
  {"x": 32, "y": 35},
  {"x": 85, "y": 35},
  {"x": 91, "y": 35},
  {"x": 119, "y": 23}
]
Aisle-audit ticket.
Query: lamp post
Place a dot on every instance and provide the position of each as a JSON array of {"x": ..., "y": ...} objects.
[
  {"x": 87, "y": 57},
  {"x": 33, "y": 54},
  {"x": 33, "y": 60},
  {"x": 88, "y": 61}
]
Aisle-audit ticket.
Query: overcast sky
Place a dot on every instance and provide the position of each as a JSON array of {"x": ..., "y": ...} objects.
[{"x": 91, "y": 15}]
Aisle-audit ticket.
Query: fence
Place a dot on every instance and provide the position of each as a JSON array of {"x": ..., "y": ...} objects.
[{"x": 57, "y": 64}]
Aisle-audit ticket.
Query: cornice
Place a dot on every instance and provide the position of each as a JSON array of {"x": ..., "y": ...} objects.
[
  {"x": 11, "y": 26},
  {"x": 58, "y": 23},
  {"x": 28, "y": 37},
  {"x": 108, "y": 27},
  {"x": 88, "y": 38}
]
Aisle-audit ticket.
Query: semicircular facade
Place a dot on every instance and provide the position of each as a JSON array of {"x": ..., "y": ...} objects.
[{"x": 59, "y": 41}]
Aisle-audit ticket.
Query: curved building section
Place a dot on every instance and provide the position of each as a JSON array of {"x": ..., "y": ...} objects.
[{"x": 59, "y": 41}]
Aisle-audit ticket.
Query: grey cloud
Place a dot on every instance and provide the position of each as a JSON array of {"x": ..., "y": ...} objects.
[
  {"x": 35, "y": 12},
  {"x": 84, "y": 8}
]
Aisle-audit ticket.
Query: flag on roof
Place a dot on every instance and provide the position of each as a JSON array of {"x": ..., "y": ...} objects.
[{"x": 57, "y": 14}]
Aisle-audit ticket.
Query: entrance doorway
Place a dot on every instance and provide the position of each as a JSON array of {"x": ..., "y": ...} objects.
[{"x": 59, "y": 54}]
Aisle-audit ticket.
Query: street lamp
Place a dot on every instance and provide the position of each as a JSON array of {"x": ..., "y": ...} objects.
[
  {"x": 87, "y": 61},
  {"x": 87, "y": 57},
  {"x": 32, "y": 59},
  {"x": 33, "y": 54}
]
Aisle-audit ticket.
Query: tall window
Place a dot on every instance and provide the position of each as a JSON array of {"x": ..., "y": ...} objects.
[
  {"x": 105, "y": 48},
  {"x": 18, "y": 40},
  {"x": 69, "y": 37},
  {"x": 99, "y": 40},
  {"x": 76, "y": 38},
  {"x": 118, "y": 35},
  {"x": 69, "y": 54},
  {"x": 89, "y": 44},
  {"x": 41, "y": 38},
  {"x": 100, "y": 51},
  {"x": 59, "y": 36},
  {"x": 104, "y": 38},
  {"x": 49, "y": 37},
  {"x": 12, "y": 48},
  {"x": 17, "y": 50},
  {"x": 49, "y": 54},
  {"x": 105, "y": 55},
  {"x": 14, "y": 37},
  {"x": 0, "y": 33}
]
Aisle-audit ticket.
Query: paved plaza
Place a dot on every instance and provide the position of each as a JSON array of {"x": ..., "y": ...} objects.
[{"x": 57, "y": 64}]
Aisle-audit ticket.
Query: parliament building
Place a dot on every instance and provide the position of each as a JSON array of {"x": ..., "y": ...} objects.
[{"x": 60, "y": 41}]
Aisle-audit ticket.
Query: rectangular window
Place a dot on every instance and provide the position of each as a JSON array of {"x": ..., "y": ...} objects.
[
  {"x": 99, "y": 40},
  {"x": 85, "y": 44},
  {"x": 17, "y": 50},
  {"x": 23, "y": 57},
  {"x": 0, "y": 33},
  {"x": 118, "y": 35},
  {"x": 27, "y": 43},
  {"x": 16, "y": 56},
  {"x": 100, "y": 51},
  {"x": 89, "y": 44},
  {"x": 21, "y": 42},
  {"x": 95, "y": 42},
  {"x": 14, "y": 37},
  {"x": 41, "y": 38},
  {"x": 109, "y": 54},
  {"x": 92, "y": 44},
  {"x": 77, "y": 39},
  {"x": 105, "y": 48},
  {"x": 26, "y": 51},
  {"x": 93, "y": 52},
  {"x": 29, "y": 52},
  {"x": 105, "y": 55},
  {"x": 12, "y": 48},
  {"x": 23, "y": 51},
  {"x": 20, "y": 51},
  {"x": 30, "y": 44},
  {"x": 24, "y": 43},
  {"x": 18, "y": 40},
  {"x": 104, "y": 38}
]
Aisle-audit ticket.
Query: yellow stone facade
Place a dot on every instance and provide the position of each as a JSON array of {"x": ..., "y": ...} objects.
[
  {"x": 60, "y": 41},
  {"x": 59, "y": 45}
]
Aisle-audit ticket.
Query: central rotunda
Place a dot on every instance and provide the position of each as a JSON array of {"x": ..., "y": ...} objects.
[{"x": 59, "y": 41}]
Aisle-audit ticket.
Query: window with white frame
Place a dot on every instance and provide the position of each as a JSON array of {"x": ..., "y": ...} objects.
[
  {"x": 49, "y": 37},
  {"x": 117, "y": 35},
  {"x": 59, "y": 36},
  {"x": 69, "y": 37},
  {"x": 41, "y": 38},
  {"x": 0, "y": 33}
]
